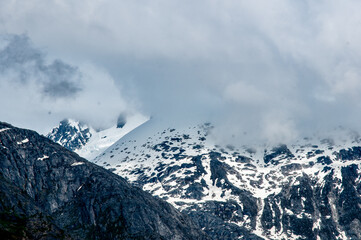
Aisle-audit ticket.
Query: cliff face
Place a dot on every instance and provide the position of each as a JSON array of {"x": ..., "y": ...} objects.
[{"x": 48, "y": 192}]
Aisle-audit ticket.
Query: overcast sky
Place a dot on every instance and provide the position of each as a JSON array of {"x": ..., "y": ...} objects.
[{"x": 272, "y": 69}]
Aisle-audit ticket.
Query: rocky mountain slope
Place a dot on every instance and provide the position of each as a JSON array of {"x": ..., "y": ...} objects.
[
  {"x": 306, "y": 190},
  {"x": 49, "y": 192},
  {"x": 88, "y": 142}
]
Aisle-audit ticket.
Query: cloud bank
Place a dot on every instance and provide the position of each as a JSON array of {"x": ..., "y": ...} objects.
[{"x": 260, "y": 70}]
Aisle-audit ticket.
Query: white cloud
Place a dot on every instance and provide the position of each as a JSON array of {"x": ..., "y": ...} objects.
[
  {"x": 244, "y": 93},
  {"x": 278, "y": 128}
]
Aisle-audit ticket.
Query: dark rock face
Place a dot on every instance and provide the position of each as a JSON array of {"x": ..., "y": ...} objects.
[
  {"x": 325, "y": 211},
  {"x": 324, "y": 160},
  {"x": 21, "y": 218},
  {"x": 48, "y": 192},
  {"x": 71, "y": 135},
  {"x": 121, "y": 121},
  {"x": 216, "y": 219},
  {"x": 277, "y": 154},
  {"x": 349, "y": 154},
  {"x": 296, "y": 203}
]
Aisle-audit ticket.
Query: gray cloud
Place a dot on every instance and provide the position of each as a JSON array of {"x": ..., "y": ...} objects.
[
  {"x": 265, "y": 70},
  {"x": 64, "y": 80},
  {"x": 39, "y": 92},
  {"x": 19, "y": 57}
]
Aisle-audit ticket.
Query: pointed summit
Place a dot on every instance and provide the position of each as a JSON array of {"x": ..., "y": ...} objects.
[
  {"x": 71, "y": 134},
  {"x": 89, "y": 143}
]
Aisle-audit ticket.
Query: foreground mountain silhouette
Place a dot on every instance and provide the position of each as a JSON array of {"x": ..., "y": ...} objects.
[{"x": 49, "y": 192}]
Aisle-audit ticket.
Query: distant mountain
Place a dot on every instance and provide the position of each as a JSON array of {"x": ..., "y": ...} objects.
[
  {"x": 71, "y": 134},
  {"x": 310, "y": 189},
  {"x": 49, "y": 192},
  {"x": 88, "y": 142}
]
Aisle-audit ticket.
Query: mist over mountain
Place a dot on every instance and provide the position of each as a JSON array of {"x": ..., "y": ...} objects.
[{"x": 272, "y": 70}]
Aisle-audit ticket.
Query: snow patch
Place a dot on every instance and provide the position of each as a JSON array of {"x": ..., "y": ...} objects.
[
  {"x": 23, "y": 141},
  {"x": 77, "y": 164},
  {"x": 4, "y": 129},
  {"x": 79, "y": 187},
  {"x": 43, "y": 158}
]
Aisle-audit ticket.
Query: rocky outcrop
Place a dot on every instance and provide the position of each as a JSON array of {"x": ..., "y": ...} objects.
[
  {"x": 48, "y": 192},
  {"x": 70, "y": 134}
]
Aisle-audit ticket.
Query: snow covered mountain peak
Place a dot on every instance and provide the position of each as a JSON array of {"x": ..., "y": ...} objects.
[
  {"x": 71, "y": 134},
  {"x": 88, "y": 142},
  {"x": 285, "y": 191}
]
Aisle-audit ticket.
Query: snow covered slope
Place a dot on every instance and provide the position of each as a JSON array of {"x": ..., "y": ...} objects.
[
  {"x": 86, "y": 141},
  {"x": 306, "y": 190}
]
